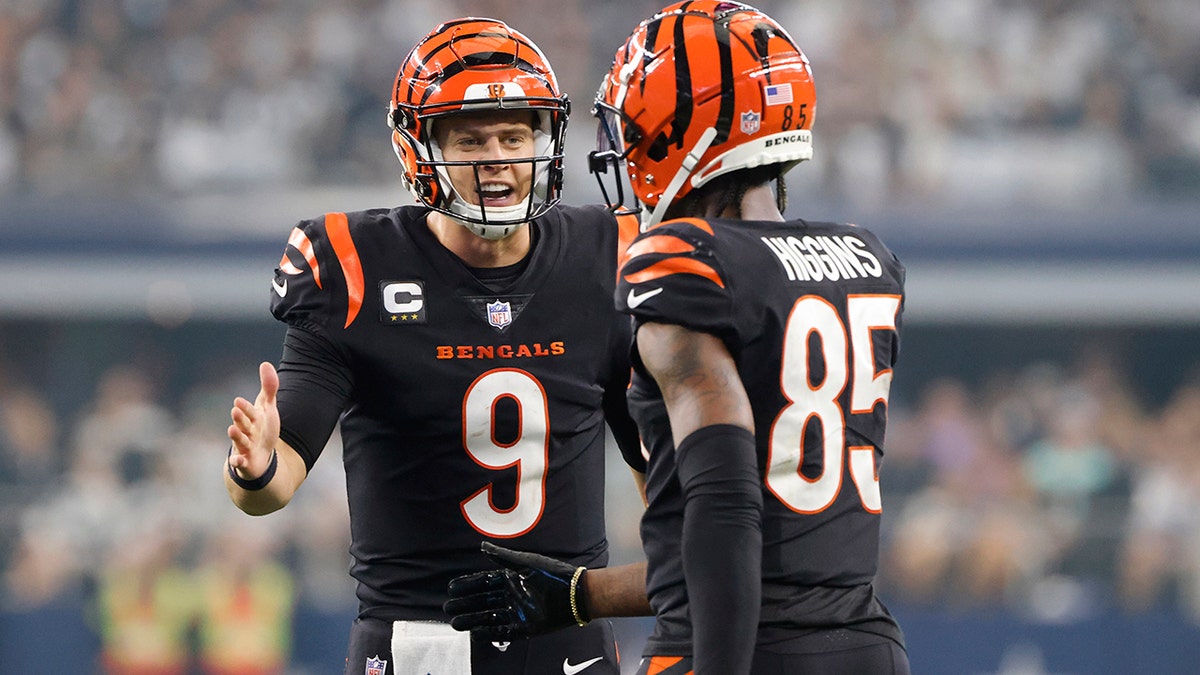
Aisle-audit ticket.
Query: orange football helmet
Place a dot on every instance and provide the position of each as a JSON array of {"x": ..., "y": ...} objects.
[
  {"x": 701, "y": 89},
  {"x": 472, "y": 65}
]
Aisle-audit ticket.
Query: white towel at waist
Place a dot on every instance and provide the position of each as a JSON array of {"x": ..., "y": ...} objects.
[{"x": 430, "y": 648}]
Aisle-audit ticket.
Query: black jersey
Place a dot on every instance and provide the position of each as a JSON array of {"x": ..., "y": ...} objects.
[
  {"x": 810, "y": 312},
  {"x": 466, "y": 413}
]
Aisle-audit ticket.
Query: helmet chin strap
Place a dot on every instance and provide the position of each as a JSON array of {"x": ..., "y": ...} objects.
[
  {"x": 500, "y": 221},
  {"x": 652, "y": 218}
]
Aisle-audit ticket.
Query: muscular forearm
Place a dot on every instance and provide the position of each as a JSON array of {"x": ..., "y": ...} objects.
[{"x": 616, "y": 591}]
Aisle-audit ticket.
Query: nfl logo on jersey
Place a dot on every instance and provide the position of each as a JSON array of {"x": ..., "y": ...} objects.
[
  {"x": 499, "y": 313},
  {"x": 376, "y": 666}
]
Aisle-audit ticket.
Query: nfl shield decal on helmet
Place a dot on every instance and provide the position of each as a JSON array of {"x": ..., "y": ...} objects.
[
  {"x": 376, "y": 666},
  {"x": 750, "y": 122},
  {"x": 499, "y": 313}
]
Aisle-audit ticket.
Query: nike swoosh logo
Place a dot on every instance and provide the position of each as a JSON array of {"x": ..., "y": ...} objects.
[
  {"x": 635, "y": 299},
  {"x": 569, "y": 669},
  {"x": 280, "y": 289}
]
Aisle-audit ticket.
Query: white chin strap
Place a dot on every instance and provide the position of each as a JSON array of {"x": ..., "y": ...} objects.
[
  {"x": 652, "y": 218},
  {"x": 501, "y": 221}
]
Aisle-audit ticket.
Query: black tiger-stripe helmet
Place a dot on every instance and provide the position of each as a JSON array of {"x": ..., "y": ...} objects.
[{"x": 699, "y": 90}]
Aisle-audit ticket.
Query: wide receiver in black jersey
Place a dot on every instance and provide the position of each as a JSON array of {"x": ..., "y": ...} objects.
[
  {"x": 469, "y": 348},
  {"x": 763, "y": 357}
]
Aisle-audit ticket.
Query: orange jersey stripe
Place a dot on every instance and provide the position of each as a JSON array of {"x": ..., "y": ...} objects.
[
  {"x": 338, "y": 229},
  {"x": 663, "y": 243},
  {"x": 694, "y": 222},
  {"x": 300, "y": 242},
  {"x": 658, "y": 664},
  {"x": 676, "y": 266}
]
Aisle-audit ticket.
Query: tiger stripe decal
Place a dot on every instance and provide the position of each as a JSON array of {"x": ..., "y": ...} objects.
[
  {"x": 438, "y": 67},
  {"x": 338, "y": 229},
  {"x": 299, "y": 241},
  {"x": 665, "y": 251},
  {"x": 670, "y": 266},
  {"x": 665, "y": 244}
]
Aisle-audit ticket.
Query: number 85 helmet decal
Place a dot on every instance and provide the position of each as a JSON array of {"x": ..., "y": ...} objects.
[
  {"x": 476, "y": 65},
  {"x": 700, "y": 89}
]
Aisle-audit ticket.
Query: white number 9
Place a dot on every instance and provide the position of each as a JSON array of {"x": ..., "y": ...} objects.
[{"x": 529, "y": 452}]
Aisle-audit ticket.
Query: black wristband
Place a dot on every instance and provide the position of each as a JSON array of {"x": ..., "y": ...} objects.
[{"x": 256, "y": 483}]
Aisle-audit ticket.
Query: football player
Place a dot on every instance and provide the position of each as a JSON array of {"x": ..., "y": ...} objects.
[
  {"x": 763, "y": 357},
  {"x": 469, "y": 348}
]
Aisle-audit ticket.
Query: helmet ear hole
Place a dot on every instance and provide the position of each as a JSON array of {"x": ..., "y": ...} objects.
[{"x": 658, "y": 149}]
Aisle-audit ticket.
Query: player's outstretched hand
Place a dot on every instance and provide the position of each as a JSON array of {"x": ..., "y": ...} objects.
[
  {"x": 255, "y": 429},
  {"x": 530, "y": 595}
]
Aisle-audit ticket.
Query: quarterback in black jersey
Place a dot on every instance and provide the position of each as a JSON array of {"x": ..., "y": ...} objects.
[
  {"x": 763, "y": 357},
  {"x": 469, "y": 348}
]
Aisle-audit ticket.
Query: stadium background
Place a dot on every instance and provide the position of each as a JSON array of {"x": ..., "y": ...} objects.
[{"x": 1036, "y": 164}]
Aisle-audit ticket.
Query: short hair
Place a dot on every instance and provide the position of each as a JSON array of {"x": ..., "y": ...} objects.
[{"x": 724, "y": 192}]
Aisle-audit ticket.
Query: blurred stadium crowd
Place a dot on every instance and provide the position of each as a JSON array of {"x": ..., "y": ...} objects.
[{"x": 1046, "y": 101}]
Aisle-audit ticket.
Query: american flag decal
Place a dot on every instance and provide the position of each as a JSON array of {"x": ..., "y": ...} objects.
[{"x": 778, "y": 94}]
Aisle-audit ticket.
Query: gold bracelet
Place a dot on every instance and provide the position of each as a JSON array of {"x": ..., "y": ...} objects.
[{"x": 574, "y": 606}]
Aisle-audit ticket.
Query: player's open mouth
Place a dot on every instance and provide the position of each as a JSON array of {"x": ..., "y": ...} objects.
[{"x": 495, "y": 194}]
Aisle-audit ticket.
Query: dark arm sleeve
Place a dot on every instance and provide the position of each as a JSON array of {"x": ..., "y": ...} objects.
[
  {"x": 314, "y": 384},
  {"x": 721, "y": 545},
  {"x": 616, "y": 410}
]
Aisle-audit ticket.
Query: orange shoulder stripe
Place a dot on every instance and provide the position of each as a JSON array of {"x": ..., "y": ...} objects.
[
  {"x": 661, "y": 665},
  {"x": 298, "y": 240},
  {"x": 694, "y": 222},
  {"x": 338, "y": 228},
  {"x": 663, "y": 243},
  {"x": 676, "y": 266}
]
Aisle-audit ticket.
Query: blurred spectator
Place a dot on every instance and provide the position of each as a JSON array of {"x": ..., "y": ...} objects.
[
  {"x": 965, "y": 536},
  {"x": 1080, "y": 485},
  {"x": 145, "y": 606},
  {"x": 1161, "y": 551},
  {"x": 30, "y": 460},
  {"x": 247, "y": 602}
]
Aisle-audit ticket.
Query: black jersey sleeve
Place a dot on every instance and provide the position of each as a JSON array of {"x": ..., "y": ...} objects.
[
  {"x": 314, "y": 385},
  {"x": 671, "y": 274}
]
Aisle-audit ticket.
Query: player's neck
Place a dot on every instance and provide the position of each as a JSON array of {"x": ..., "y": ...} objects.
[
  {"x": 758, "y": 203},
  {"x": 475, "y": 251}
]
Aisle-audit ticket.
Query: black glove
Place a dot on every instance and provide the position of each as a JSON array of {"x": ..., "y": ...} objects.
[{"x": 531, "y": 595}]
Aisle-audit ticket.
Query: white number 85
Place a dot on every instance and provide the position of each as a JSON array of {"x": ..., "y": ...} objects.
[{"x": 814, "y": 314}]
